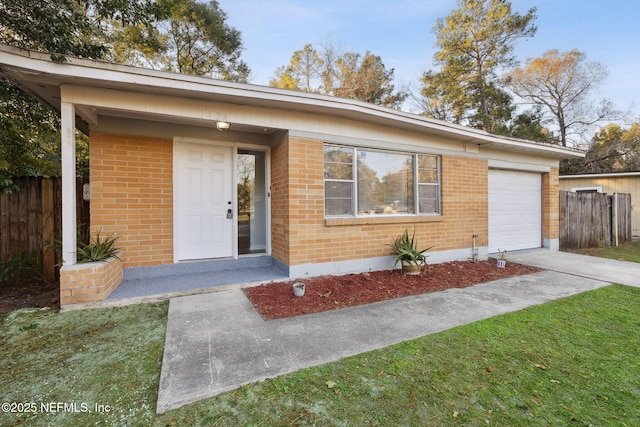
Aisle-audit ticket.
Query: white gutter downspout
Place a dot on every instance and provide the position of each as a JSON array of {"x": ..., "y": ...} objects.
[{"x": 69, "y": 227}]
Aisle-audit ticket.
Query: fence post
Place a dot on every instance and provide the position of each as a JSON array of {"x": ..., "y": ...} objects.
[
  {"x": 48, "y": 229},
  {"x": 615, "y": 216}
]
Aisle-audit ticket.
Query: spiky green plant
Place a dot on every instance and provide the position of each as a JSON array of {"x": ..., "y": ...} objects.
[
  {"x": 405, "y": 249},
  {"x": 99, "y": 248}
]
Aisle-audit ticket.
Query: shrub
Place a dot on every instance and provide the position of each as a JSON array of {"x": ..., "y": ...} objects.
[
  {"x": 21, "y": 268},
  {"x": 98, "y": 249}
]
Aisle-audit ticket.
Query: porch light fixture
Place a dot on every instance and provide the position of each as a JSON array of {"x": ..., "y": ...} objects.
[{"x": 223, "y": 126}]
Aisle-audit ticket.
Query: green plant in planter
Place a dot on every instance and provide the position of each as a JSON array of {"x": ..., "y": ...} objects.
[
  {"x": 98, "y": 249},
  {"x": 406, "y": 252}
]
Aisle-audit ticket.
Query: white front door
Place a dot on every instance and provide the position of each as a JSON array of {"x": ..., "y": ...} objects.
[{"x": 203, "y": 197}]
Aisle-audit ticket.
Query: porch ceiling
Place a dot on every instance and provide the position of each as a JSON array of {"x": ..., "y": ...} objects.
[{"x": 181, "y": 120}]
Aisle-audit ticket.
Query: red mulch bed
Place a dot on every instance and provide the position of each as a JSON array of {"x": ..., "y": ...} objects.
[{"x": 276, "y": 300}]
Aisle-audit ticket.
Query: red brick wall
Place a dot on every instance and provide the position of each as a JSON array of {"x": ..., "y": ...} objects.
[
  {"x": 132, "y": 195},
  {"x": 280, "y": 202},
  {"x": 312, "y": 239},
  {"x": 88, "y": 282},
  {"x": 551, "y": 204}
]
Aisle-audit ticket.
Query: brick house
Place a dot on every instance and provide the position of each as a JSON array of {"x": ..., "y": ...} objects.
[{"x": 185, "y": 168}]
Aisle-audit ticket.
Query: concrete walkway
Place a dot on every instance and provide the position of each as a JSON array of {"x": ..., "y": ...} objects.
[{"x": 217, "y": 342}]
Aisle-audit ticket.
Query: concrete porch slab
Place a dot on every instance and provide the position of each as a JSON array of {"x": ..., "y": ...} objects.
[{"x": 196, "y": 277}]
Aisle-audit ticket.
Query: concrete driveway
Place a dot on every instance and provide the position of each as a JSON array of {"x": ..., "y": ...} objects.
[
  {"x": 608, "y": 270},
  {"x": 217, "y": 342}
]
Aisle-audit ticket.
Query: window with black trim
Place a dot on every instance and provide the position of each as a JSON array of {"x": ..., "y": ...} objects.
[{"x": 366, "y": 182}]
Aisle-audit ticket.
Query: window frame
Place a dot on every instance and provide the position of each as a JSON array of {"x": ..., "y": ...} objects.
[
  {"x": 416, "y": 183},
  {"x": 437, "y": 184},
  {"x": 352, "y": 181}
]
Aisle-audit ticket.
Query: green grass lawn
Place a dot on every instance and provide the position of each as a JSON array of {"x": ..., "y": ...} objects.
[
  {"x": 573, "y": 362},
  {"x": 626, "y": 252}
]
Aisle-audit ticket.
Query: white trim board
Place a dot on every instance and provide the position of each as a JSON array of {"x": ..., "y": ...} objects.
[{"x": 379, "y": 263}]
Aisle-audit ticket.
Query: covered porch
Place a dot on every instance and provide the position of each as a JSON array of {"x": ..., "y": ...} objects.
[{"x": 158, "y": 283}]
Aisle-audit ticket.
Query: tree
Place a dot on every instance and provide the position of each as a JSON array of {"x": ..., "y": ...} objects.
[
  {"x": 30, "y": 137},
  {"x": 70, "y": 27},
  {"x": 181, "y": 35},
  {"x": 29, "y": 134},
  {"x": 496, "y": 111},
  {"x": 302, "y": 73},
  {"x": 203, "y": 44},
  {"x": 443, "y": 97},
  {"x": 474, "y": 41},
  {"x": 193, "y": 39},
  {"x": 349, "y": 75},
  {"x": 29, "y": 131},
  {"x": 329, "y": 55},
  {"x": 138, "y": 45},
  {"x": 529, "y": 125},
  {"x": 366, "y": 79},
  {"x": 561, "y": 84},
  {"x": 612, "y": 149}
]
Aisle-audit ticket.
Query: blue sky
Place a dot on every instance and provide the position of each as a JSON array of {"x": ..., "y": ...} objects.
[{"x": 400, "y": 32}]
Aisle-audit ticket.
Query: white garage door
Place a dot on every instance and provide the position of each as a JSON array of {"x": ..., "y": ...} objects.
[{"x": 515, "y": 210}]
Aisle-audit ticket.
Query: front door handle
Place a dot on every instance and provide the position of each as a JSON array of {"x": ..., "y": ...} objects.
[{"x": 229, "y": 214}]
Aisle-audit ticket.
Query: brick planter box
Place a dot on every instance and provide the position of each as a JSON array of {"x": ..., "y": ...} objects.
[{"x": 89, "y": 282}]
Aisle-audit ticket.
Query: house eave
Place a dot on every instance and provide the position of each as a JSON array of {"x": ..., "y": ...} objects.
[
  {"x": 602, "y": 175},
  {"x": 42, "y": 78}
]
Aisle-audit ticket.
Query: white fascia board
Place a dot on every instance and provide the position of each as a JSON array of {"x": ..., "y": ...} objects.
[
  {"x": 601, "y": 175},
  {"x": 107, "y": 75}
]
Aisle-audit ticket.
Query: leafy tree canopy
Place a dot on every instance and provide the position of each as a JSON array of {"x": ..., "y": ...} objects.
[
  {"x": 179, "y": 35},
  {"x": 30, "y": 136},
  {"x": 529, "y": 125},
  {"x": 561, "y": 85},
  {"x": 29, "y": 131},
  {"x": 348, "y": 75},
  {"x": 612, "y": 149},
  {"x": 194, "y": 39},
  {"x": 70, "y": 27},
  {"x": 474, "y": 40}
]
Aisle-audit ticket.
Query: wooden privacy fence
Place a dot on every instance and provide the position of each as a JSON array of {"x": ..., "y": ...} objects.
[
  {"x": 32, "y": 215},
  {"x": 591, "y": 219}
]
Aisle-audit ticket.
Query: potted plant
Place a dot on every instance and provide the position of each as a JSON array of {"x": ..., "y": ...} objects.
[
  {"x": 406, "y": 252},
  {"x": 502, "y": 258},
  {"x": 298, "y": 289}
]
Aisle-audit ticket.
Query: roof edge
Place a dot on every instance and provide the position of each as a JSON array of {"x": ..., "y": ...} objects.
[
  {"x": 601, "y": 175},
  {"x": 144, "y": 77}
]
